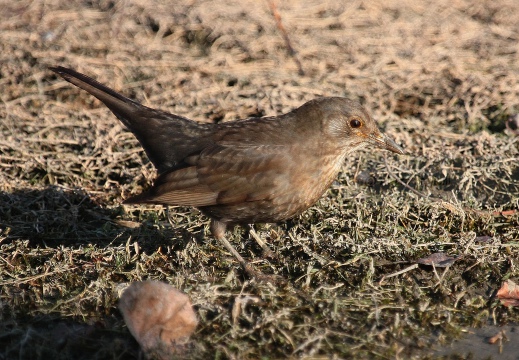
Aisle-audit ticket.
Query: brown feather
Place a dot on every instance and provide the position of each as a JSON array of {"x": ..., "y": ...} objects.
[{"x": 253, "y": 170}]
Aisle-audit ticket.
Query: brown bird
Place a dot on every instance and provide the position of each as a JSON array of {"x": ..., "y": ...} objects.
[{"x": 257, "y": 170}]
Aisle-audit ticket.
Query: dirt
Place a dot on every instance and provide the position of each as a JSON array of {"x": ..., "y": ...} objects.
[
  {"x": 476, "y": 344},
  {"x": 440, "y": 77}
]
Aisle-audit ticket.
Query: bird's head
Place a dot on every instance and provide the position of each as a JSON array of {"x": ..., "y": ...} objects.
[{"x": 348, "y": 125}]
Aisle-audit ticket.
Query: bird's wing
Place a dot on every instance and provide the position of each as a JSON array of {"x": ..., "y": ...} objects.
[{"x": 223, "y": 175}]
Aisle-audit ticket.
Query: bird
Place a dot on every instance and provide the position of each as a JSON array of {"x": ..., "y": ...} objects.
[{"x": 256, "y": 170}]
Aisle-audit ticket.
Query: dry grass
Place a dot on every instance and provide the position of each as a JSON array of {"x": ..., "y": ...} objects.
[{"x": 440, "y": 76}]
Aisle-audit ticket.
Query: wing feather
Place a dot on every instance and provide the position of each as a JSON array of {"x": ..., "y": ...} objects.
[{"x": 221, "y": 175}]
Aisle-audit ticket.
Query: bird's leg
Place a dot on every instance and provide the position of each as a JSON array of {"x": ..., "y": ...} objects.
[
  {"x": 266, "y": 250},
  {"x": 218, "y": 231}
]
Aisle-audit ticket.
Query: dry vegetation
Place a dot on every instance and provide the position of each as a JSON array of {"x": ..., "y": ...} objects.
[{"x": 441, "y": 77}]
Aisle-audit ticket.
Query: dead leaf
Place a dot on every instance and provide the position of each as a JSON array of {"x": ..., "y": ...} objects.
[
  {"x": 509, "y": 293},
  {"x": 505, "y": 213},
  {"x": 483, "y": 239},
  {"x": 160, "y": 317},
  {"x": 439, "y": 260}
]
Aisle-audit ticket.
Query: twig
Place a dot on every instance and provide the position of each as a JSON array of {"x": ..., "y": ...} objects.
[
  {"x": 409, "y": 268},
  {"x": 284, "y": 33}
]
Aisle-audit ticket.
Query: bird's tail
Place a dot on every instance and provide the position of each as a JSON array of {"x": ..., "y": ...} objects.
[
  {"x": 120, "y": 105},
  {"x": 166, "y": 138}
]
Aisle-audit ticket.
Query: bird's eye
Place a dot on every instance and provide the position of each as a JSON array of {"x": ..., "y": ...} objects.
[{"x": 355, "y": 123}]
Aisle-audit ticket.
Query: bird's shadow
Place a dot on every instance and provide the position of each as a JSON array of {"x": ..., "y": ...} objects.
[
  {"x": 54, "y": 216},
  {"x": 56, "y": 337}
]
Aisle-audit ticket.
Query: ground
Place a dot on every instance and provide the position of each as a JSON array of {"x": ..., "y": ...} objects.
[{"x": 440, "y": 77}]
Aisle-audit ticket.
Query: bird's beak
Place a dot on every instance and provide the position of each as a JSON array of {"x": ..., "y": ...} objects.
[{"x": 384, "y": 142}]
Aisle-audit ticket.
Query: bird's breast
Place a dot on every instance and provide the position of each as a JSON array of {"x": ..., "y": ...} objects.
[{"x": 292, "y": 191}]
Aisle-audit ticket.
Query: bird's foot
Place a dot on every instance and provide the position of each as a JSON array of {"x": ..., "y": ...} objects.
[
  {"x": 267, "y": 253},
  {"x": 261, "y": 277}
]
